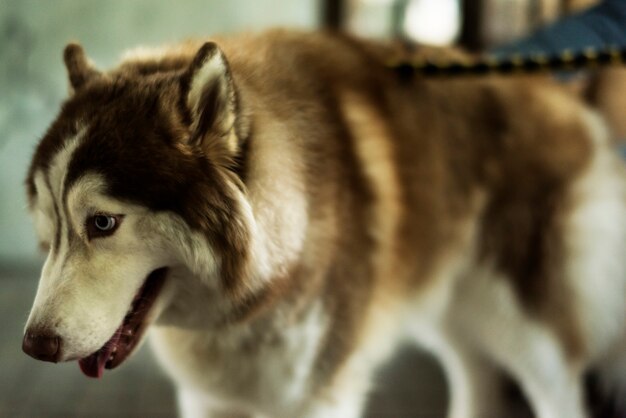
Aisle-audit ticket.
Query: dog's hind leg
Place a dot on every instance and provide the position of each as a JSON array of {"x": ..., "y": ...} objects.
[
  {"x": 526, "y": 349},
  {"x": 552, "y": 386},
  {"x": 589, "y": 296},
  {"x": 474, "y": 383}
]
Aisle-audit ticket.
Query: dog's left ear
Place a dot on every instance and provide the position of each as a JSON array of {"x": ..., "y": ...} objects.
[
  {"x": 211, "y": 99},
  {"x": 79, "y": 69}
]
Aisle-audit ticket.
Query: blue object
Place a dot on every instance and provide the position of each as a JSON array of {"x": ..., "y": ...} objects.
[{"x": 597, "y": 27}]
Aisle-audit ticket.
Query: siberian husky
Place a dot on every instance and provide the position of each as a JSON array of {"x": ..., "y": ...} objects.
[{"x": 280, "y": 210}]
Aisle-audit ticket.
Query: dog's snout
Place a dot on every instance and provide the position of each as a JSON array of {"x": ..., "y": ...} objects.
[{"x": 44, "y": 347}]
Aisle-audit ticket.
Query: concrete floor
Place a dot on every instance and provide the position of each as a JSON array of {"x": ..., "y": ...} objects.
[{"x": 411, "y": 386}]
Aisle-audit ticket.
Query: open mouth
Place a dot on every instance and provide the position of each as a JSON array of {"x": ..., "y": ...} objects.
[{"x": 129, "y": 333}]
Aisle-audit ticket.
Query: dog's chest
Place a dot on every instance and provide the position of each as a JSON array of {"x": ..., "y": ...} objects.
[{"x": 266, "y": 367}]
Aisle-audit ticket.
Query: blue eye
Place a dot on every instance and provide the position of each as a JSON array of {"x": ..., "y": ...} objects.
[{"x": 104, "y": 223}]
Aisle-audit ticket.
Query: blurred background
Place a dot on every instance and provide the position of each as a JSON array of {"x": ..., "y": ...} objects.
[{"x": 33, "y": 83}]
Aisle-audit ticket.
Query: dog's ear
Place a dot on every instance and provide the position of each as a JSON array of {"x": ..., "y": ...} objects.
[
  {"x": 211, "y": 99},
  {"x": 79, "y": 68}
]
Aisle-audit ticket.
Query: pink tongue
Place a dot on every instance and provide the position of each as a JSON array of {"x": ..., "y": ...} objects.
[{"x": 93, "y": 365}]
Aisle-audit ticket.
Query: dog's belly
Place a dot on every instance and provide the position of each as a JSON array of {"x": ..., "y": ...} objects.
[{"x": 254, "y": 368}]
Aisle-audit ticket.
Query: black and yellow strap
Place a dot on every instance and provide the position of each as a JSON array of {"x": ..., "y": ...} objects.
[{"x": 514, "y": 64}]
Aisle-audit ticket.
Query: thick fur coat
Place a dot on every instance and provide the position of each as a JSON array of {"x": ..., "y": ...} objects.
[{"x": 303, "y": 208}]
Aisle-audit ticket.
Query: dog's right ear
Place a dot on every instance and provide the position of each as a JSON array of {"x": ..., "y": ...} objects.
[{"x": 79, "y": 68}]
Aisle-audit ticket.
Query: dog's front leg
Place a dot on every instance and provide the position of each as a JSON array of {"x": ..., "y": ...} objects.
[
  {"x": 345, "y": 396},
  {"x": 343, "y": 406},
  {"x": 192, "y": 404}
]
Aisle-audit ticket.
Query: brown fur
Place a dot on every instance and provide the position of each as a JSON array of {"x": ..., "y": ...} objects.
[
  {"x": 524, "y": 167},
  {"x": 515, "y": 144},
  {"x": 607, "y": 92}
]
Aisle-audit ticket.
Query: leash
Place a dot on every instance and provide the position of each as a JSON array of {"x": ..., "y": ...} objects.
[{"x": 566, "y": 60}]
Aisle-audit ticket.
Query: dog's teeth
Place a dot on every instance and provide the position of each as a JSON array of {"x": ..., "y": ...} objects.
[
  {"x": 111, "y": 358},
  {"x": 114, "y": 349}
]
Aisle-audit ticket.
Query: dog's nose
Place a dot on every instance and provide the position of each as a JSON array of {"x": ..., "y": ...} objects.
[{"x": 42, "y": 347}]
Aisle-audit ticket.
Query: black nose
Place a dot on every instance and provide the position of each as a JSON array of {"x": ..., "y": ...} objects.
[{"x": 44, "y": 347}]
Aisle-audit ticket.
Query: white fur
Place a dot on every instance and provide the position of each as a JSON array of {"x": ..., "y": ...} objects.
[
  {"x": 43, "y": 210},
  {"x": 277, "y": 209},
  {"x": 49, "y": 215},
  {"x": 597, "y": 244},
  {"x": 56, "y": 174},
  {"x": 488, "y": 315},
  {"x": 213, "y": 379},
  {"x": 84, "y": 293},
  {"x": 213, "y": 70}
]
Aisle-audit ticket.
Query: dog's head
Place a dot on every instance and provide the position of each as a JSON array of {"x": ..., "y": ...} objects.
[{"x": 136, "y": 178}]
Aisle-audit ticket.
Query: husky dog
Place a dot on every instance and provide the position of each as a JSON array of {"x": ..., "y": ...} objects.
[{"x": 282, "y": 209}]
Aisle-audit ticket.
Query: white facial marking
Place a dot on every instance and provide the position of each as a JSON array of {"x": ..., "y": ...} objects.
[
  {"x": 85, "y": 291},
  {"x": 43, "y": 210},
  {"x": 57, "y": 173}
]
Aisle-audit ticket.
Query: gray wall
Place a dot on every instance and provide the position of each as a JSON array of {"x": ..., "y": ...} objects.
[{"x": 33, "y": 81}]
